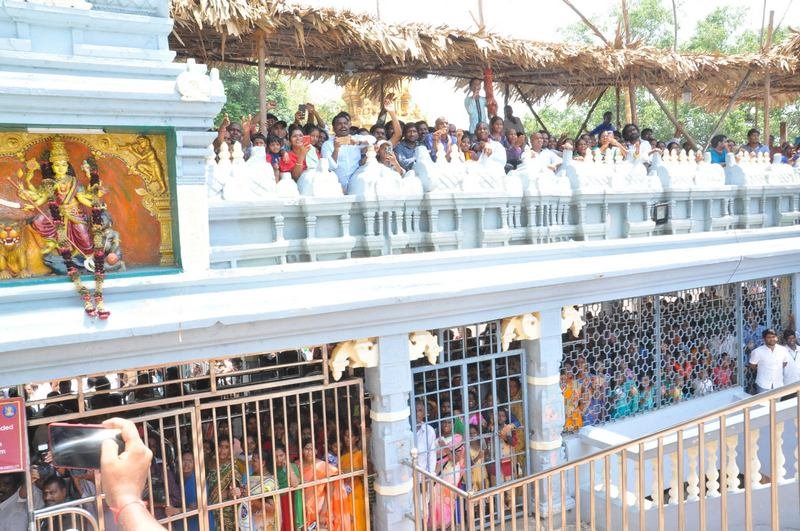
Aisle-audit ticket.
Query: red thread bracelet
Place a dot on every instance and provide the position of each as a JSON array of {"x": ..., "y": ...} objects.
[{"x": 117, "y": 512}]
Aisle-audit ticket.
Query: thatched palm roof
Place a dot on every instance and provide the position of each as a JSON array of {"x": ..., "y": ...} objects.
[{"x": 328, "y": 42}]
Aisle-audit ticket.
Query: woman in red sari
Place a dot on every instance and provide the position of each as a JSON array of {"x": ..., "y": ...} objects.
[{"x": 325, "y": 503}]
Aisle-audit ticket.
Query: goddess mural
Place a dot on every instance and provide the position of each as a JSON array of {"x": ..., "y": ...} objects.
[
  {"x": 70, "y": 228},
  {"x": 71, "y": 219}
]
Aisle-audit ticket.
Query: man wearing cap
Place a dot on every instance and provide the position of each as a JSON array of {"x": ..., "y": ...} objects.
[{"x": 769, "y": 360}]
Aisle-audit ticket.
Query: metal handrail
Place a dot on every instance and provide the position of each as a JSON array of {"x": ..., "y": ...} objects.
[
  {"x": 726, "y": 410},
  {"x": 733, "y": 408},
  {"x": 431, "y": 477},
  {"x": 693, "y": 477},
  {"x": 64, "y": 509}
]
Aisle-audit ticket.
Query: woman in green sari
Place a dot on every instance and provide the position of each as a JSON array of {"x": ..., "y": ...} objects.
[
  {"x": 223, "y": 481},
  {"x": 288, "y": 475}
]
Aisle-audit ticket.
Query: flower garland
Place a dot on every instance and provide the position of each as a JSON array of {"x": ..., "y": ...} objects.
[{"x": 93, "y": 306}]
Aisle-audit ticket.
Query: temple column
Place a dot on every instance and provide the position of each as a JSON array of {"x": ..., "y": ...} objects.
[
  {"x": 545, "y": 402},
  {"x": 390, "y": 385},
  {"x": 192, "y": 200}
]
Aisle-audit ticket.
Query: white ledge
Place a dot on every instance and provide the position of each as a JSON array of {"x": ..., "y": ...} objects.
[{"x": 218, "y": 313}]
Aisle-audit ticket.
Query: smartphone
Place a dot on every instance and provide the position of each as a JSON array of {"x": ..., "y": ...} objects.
[
  {"x": 301, "y": 107},
  {"x": 306, "y": 140},
  {"x": 79, "y": 445}
]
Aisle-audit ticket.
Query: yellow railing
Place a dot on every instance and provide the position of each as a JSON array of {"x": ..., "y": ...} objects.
[{"x": 722, "y": 470}]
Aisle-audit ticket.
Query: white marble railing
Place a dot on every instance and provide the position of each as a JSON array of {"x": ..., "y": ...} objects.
[
  {"x": 454, "y": 205},
  {"x": 742, "y": 450}
]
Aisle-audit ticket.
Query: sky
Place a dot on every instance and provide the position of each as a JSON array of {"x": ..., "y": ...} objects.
[{"x": 529, "y": 19}]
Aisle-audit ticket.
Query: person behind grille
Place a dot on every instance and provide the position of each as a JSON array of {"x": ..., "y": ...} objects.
[
  {"x": 702, "y": 384},
  {"x": 223, "y": 480},
  {"x": 326, "y": 504},
  {"x": 189, "y": 495},
  {"x": 573, "y": 399},
  {"x": 353, "y": 461}
]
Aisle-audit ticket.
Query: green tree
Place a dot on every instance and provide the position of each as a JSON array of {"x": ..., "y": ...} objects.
[
  {"x": 722, "y": 31},
  {"x": 241, "y": 89},
  {"x": 650, "y": 23}
]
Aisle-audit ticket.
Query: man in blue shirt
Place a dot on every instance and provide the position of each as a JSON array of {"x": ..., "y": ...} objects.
[{"x": 606, "y": 125}]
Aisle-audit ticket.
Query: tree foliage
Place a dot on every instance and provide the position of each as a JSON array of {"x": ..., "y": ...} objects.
[
  {"x": 723, "y": 30},
  {"x": 241, "y": 89}
]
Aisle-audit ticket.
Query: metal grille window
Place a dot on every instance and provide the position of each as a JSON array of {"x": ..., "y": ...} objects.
[
  {"x": 157, "y": 387},
  {"x": 470, "y": 408},
  {"x": 263, "y": 441},
  {"x": 638, "y": 354}
]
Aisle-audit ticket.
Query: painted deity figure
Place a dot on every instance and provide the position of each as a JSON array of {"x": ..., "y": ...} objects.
[
  {"x": 60, "y": 201},
  {"x": 69, "y": 217}
]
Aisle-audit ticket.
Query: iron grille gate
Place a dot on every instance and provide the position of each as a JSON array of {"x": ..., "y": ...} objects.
[
  {"x": 471, "y": 408},
  {"x": 638, "y": 354},
  {"x": 224, "y": 464}
]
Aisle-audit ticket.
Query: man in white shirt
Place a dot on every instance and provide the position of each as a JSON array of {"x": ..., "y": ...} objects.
[
  {"x": 769, "y": 361},
  {"x": 543, "y": 156},
  {"x": 343, "y": 156},
  {"x": 791, "y": 372},
  {"x": 638, "y": 148},
  {"x": 425, "y": 442}
]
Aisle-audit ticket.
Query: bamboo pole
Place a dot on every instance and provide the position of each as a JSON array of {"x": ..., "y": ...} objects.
[
  {"x": 588, "y": 23},
  {"x": 631, "y": 87},
  {"x": 616, "y": 118},
  {"x": 742, "y": 85},
  {"x": 674, "y": 48},
  {"x": 672, "y": 118},
  {"x": 262, "y": 82},
  {"x": 589, "y": 115},
  {"x": 768, "y": 80},
  {"x": 627, "y": 101},
  {"x": 530, "y": 106}
]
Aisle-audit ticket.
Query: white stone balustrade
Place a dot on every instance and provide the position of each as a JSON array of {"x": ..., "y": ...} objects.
[
  {"x": 455, "y": 205},
  {"x": 718, "y": 472}
]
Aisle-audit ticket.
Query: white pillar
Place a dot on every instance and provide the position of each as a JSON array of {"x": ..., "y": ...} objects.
[
  {"x": 390, "y": 385},
  {"x": 192, "y": 200},
  {"x": 546, "y": 401}
]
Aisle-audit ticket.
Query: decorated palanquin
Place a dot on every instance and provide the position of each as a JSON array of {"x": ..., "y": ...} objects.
[{"x": 84, "y": 205}]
